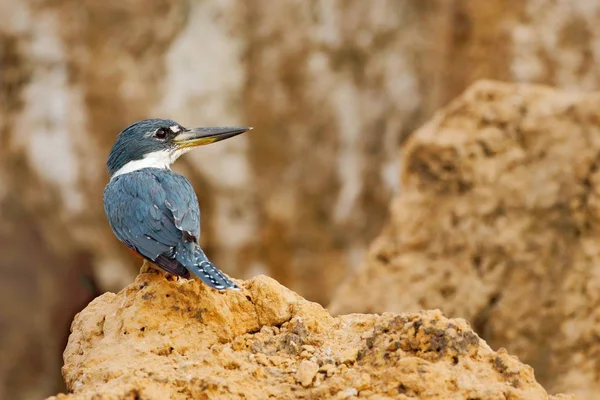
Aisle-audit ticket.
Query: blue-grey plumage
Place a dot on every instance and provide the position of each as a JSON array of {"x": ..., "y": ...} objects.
[{"x": 153, "y": 210}]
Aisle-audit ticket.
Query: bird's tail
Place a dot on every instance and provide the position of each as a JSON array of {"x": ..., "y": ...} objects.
[{"x": 208, "y": 272}]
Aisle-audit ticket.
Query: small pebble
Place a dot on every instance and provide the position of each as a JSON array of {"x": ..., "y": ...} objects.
[{"x": 306, "y": 372}]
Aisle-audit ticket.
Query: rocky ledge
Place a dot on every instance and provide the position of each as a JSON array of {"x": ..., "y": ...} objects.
[{"x": 161, "y": 339}]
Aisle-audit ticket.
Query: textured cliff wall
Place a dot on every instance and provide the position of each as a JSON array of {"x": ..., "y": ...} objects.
[
  {"x": 331, "y": 87},
  {"x": 497, "y": 223},
  {"x": 181, "y": 340}
]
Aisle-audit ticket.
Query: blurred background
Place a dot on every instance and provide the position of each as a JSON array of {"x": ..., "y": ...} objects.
[{"x": 333, "y": 89}]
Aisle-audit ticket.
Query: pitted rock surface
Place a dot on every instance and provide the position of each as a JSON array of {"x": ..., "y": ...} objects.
[{"x": 159, "y": 339}]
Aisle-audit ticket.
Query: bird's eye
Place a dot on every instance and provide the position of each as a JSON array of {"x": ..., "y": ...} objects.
[{"x": 161, "y": 133}]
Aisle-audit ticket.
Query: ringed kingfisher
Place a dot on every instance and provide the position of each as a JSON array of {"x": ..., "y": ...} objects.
[{"x": 153, "y": 210}]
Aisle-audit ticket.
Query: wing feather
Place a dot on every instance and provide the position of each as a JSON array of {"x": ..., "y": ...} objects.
[
  {"x": 181, "y": 200},
  {"x": 152, "y": 211}
]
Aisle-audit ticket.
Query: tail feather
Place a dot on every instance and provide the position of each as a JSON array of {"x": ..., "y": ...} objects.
[
  {"x": 194, "y": 259},
  {"x": 212, "y": 276}
]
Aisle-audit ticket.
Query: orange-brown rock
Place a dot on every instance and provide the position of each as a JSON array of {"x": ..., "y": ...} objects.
[
  {"x": 498, "y": 222},
  {"x": 160, "y": 339}
]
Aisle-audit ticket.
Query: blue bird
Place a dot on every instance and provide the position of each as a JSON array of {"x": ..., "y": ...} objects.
[{"x": 153, "y": 210}]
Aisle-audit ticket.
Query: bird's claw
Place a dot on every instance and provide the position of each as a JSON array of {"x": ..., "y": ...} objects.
[{"x": 146, "y": 267}]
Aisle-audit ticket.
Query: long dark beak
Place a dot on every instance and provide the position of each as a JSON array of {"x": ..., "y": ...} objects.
[{"x": 201, "y": 136}]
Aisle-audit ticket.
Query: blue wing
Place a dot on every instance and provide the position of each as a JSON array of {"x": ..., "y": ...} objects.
[
  {"x": 181, "y": 200},
  {"x": 153, "y": 211}
]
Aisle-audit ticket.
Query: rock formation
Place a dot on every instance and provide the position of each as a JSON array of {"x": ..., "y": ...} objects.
[
  {"x": 497, "y": 222},
  {"x": 160, "y": 339}
]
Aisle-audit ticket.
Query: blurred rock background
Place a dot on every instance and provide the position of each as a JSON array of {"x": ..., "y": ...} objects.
[
  {"x": 498, "y": 222},
  {"x": 332, "y": 88}
]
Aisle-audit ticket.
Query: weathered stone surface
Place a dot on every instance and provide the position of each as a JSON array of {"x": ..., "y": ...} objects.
[
  {"x": 160, "y": 339},
  {"x": 497, "y": 222}
]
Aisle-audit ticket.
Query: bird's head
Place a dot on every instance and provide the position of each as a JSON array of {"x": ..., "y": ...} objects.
[{"x": 157, "y": 143}]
